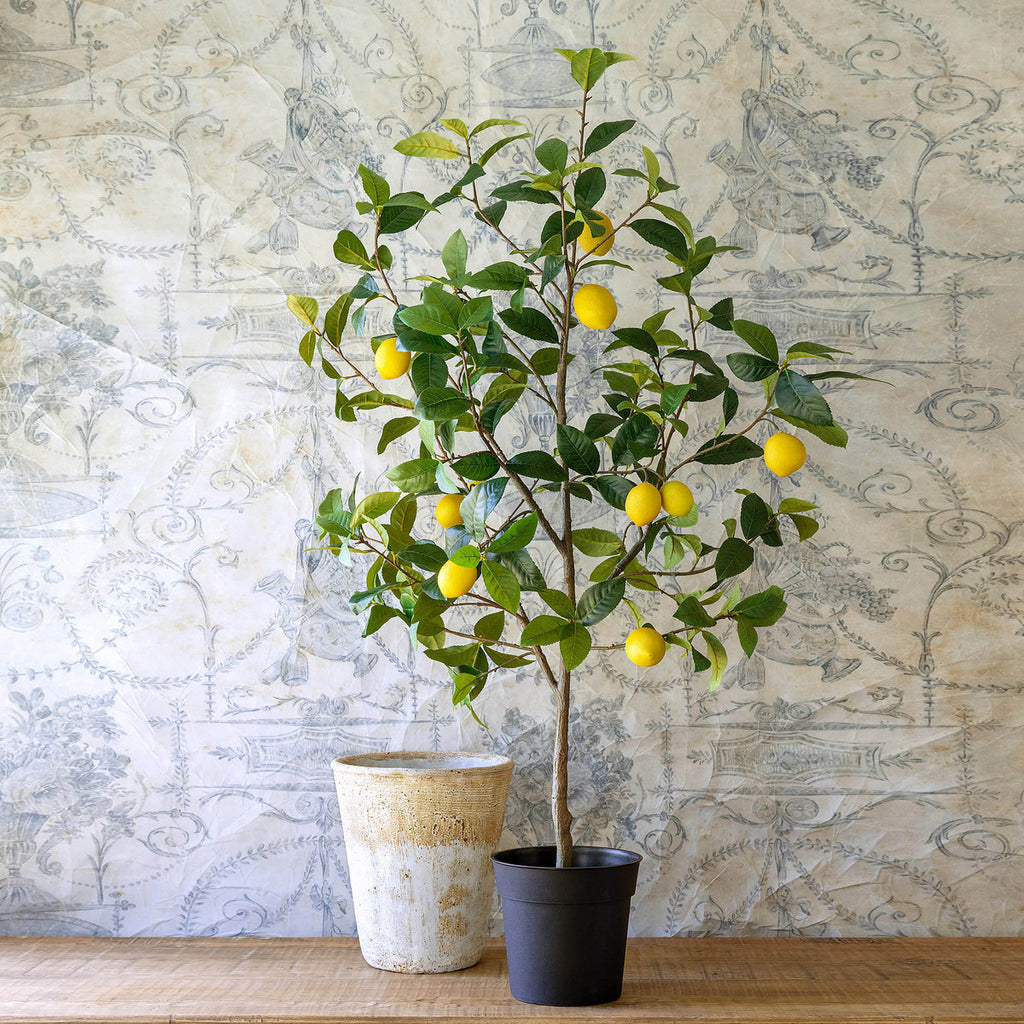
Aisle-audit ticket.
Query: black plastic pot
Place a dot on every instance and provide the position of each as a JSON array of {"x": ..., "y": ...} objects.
[{"x": 565, "y": 928}]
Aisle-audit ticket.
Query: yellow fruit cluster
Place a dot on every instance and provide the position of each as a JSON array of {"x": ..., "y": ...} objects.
[{"x": 645, "y": 502}]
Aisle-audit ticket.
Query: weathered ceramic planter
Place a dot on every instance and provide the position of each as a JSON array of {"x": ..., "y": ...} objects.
[{"x": 420, "y": 828}]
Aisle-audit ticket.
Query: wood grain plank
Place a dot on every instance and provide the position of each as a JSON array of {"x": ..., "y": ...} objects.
[{"x": 314, "y": 981}]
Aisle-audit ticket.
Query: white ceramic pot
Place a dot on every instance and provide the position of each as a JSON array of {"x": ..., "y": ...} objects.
[{"x": 420, "y": 828}]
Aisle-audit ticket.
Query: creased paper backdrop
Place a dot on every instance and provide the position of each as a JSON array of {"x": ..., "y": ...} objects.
[{"x": 179, "y": 668}]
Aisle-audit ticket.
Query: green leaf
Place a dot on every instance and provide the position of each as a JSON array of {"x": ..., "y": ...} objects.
[
  {"x": 552, "y": 154},
  {"x": 393, "y": 429},
  {"x": 492, "y": 122},
  {"x": 758, "y": 337},
  {"x": 545, "y": 361},
  {"x": 700, "y": 663},
  {"x": 478, "y": 466},
  {"x": 764, "y": 608},
  {"x": 796, "y": 505},
  {"x": 454, "y": 255},
  {"x": 692, "y": 613},
  {"x": 718, "y": 658},
  {"x": 833, "y": 434},
  {"x": 480, "y": 503},
  {"x": 457, "y": 126},
  {"x": 662, "y": 235},
  {"x": 531, "y": 323},
  {"x": 516, "y": 535},
  {"x": 613, "y": 489},
  {"x": 604, "y": 135},
  {"x": 747, "y": 634},
  {"x": 797, "y": 396},
  {"x": 577, "y": 450},
  {"x": 525, "y": 569},
  {"x": 682, "y": 222},
  {"x": 749, "y": 367},
  {"x": 806, "y": 527},
  {"x": 504, "y": 276},
  {"x": 375, "y": 505},
  {"x": 735, "y": 556},
  {"x": 587, "y": 66},
  {"x": 635, "y": 440},
  {"x": 429, "y": 146},
  {"x": 441, "y": 404},
  {"x": 673, "y": 396},
  {"x": 597, "y": 543},
  {"x": 490, "y": 627},
  {"x": 754, "y": 516},
  {"x": 497, "y": 147},
  {"x": 590, "y": 187},
  {"x": 813, "y": 350},
  {"x": 476, "y": 311},
  {"x": 348, "y": 248},
  {"x": 728, "y": 449},
  {"x": 542, "y": 630},
  {"x": 601, "y": 424},
  {"x": 424, "y": 554},
  {"x": 376, "y": 188},
  {"x": 501, "y": 584},
  {"x": 653, "y": 167},
  {"x": 336, "y": 318},
  {"x": 599, "y": 601},
  {"x": 558, "y": 603},
  {"x": 305, "y": 308},
  {"x": 307, "y": 347},
  {"x": 575, "y": 645},
  {"x": 413, "y": 476},
  {"x": 637, "y": 338},
  {"x": 379, "y": 615},
  {"x": 721, "y": 315},
  {"x": 537, "y": 464},
  {"x": 428, "y": 318},
  {"x": 522, "y": 191}
]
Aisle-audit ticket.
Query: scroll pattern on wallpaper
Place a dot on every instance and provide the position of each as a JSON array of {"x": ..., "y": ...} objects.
[{"x": 179, "y": 665}]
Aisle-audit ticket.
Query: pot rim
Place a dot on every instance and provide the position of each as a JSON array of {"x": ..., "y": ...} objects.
[
  {"x": 434, "y": 762},
  {"x": 635, "y": 859}
]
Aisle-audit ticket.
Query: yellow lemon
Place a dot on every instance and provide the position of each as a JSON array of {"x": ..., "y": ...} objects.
[
  {"x": 598, "y": 245},
  {"x": 448, "y": 512},
  {"x": 455, "y": 580},
  {"x": 390, "y": 362},
  {"x": 595, "y": 307},
  {"x": 643, "y": 503},
  {"x": 645, "y": 647},
  {"x": 676, "y": 498},
  {"x": 784, "y": 453}
]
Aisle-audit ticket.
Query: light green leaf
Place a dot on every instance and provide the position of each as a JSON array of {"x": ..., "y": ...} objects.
[
  {"x": 348, "y": 248},
  {"x": 516, "y": 535},
  {"x": 377, "y": 190},
  {"x": 304, "y": 308},
  {"x": 429, "y": 146},
  {"x": 558, "y": 603},
  {"x": 575, "y": 645},
  {"x": 501, "y": 584},
  {"x": 718, "y": 658},
  {"x": 587, "y": 67},
  {"x": 597, "y": 543},
  {"x": 455, "y": 125},
  {"x": 490, "y": 627},
  {"x": 414, "y": 476},
  {"x": 454, "y": 255}
]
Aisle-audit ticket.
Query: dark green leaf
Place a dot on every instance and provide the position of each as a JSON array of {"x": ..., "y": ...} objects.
[
  {"x": 577, "y": 450},
  {"x": 441, "y": 404},
  {"x": 635, "y": 440},
  {"x": 833, "y": 434},
  {"x": 520, "y": 191},
  {"x": 539, "y": 465},
  {"x": 758, "y": 337},
  {"x": 797, "y": 396},
  {"x": 764, "y": 608},
  {"x": 558, "y": 603},
  {"x": 806, "y": 526},
  {"x": 750, "y": 367},
  {"x": 490, "y": 627},
  {"x": 552, "y": 154},
  {"x": 504, "y": 276},
  {"x": 636, "y": 338},
  {"x": 599, "y": 601},
  {"x": 692, "y": 613},
  {"x": 728, "y": 449},
  {"x": 722, "y": 314},
  {"x": 604, "y": 134},
  {"x": 429, "y": 318},
  {"x": 525, "y": 569},
  {"x": 454, "y": 255},
  {"x": 428, "y": 370},
  {"x": 478, "y": 466},
  {"x": 531, "y": 323},
  {"x": 613, "y": 489},
  {"x": 545, "y": 361},
  {"x": 396, "y": 217},
  {"x": 393, "y": 429},
  {"x": 754, "y": 516},
  {"x": 664, "y": 236},
  {"x": 542, "y": 630},
  {"x": 732, "y": 558},
  {"x": 601, "y": 424},
  {"x": 747, "y": 634},
  {"x": 590, "y": 187}
]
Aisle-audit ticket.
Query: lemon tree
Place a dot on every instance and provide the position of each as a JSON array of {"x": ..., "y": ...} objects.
[{"x": 686, "y": 387}]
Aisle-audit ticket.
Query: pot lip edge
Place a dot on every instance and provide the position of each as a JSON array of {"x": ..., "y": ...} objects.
[
  {"x": 490, "y": 763},
  {"x": 573, "y": 867}
]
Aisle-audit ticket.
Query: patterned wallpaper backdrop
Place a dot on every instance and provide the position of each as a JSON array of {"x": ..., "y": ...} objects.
[{"x": 178, "y": 668}]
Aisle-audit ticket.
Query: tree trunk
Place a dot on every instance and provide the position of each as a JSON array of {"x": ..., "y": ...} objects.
[{"x": 560, "y": 815}]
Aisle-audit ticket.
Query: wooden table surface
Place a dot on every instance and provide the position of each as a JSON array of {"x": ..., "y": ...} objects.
[{"x": 300, "y": 981}]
